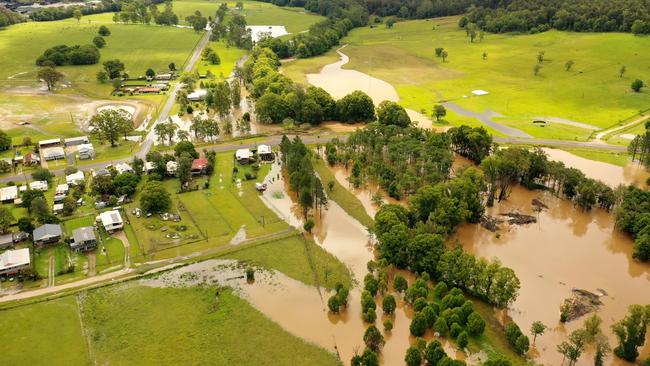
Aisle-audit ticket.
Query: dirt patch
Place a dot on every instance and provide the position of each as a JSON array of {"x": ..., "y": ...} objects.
[{"x": 580, "y": 303}]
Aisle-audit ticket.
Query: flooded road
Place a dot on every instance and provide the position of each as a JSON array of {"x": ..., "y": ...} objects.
[
  {"x": 339, "y": 82},
  {"x": 565, "y": 249},
  {"x": 609, "y": 174}
]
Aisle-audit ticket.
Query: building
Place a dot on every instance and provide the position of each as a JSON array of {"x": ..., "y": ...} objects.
[
  {"x": 168, "y": 76},
  {"x": 31, "y": 159},
  {"x": 74, "y": 141},
  {"x": 147, "y": 90},
  {"x": 62, "y": 189},
  {"x": 171, "y": 167},
  {"x": 197, "y": 95},
  {"x": 49, "y": 143},
  {"x": 111, "y": 220},
  {"x": 199, "y": 166},
  {"x": 6, "y": 240},
  {"x": 14, "y": 261},
  {"x": 123, "y": 168},
  {"x": 8, "y": 194},
  {"x": 47, "y": 234},
  {"x": 75, "y": 178},
  {"x": 86, "y": 151},
  {"x": 83, "y": 239},
  {"x": 57, "y": 208},
  {"x": 243, "y": 156},
  {"x": 53, "y": 153},
  {"x": 265, "y": 153},
  {"x": 101, "y": 172},
  {"x": 148, "y": 167},
  {"x": 39, "y": 185}
]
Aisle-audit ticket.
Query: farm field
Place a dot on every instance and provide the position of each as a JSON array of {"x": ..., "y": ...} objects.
[{"x": 591, "y": 93}]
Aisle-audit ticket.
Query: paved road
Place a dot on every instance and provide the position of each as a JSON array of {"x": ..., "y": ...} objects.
[
  {"x": 164, "y": 114},
  {"x": 486, "y": 118}
]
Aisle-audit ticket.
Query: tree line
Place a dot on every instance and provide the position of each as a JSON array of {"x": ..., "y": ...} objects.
[
  {"x": 8, "y": 17},
  {"x": 279, "y": 99},
  {"x": 145, "y": 12},
  {"x": 69, "y": 55},
  {"x": 530, "y": 16},
  {"x": 296, "y": 161}
]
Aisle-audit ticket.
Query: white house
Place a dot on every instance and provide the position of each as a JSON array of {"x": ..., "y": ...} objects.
[
  {"x": 148, "y": 167},
  {"x": 75, "y": 178},
  {"x": 53, "y": 153},
  {"x": 62, "y": 189},
  {"x": 111, "y": 220},
  {"x": 123, "y": 168},
  {"x": 39, "y": 185},
  {"x": 8, "y": 194},
  {"x": 14, "y": 261},
  {"x": 243, "y": 156},
  {"x": 265, "y": 153},
  {"x": 49, "y": 143},
  {"x": 86, "y": 151},
  {"x": 197, "y": 95}
]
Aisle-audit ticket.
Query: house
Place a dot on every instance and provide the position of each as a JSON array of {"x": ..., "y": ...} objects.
[
  {"x": 171, "y": 167},
  {"x": 111, "y": 220},
  {"x": 62, "y": 189},
  {"x": 74, "y": 141},
  {"x": 8, "y": 194},
  {"x": 9, "y": 161},
  {"x": 265, "y": 153},
  {"x": 101, "y": 172},
  {"x": 53, "y": 153},
  {"x": 75, "y": 178},
  {"x": 57, "y": 208},
  {"x": 243, "y": 156},
  {"x": 86, "y": 151},
  {"x": 161, "y": 86},
  {"x": 39, "y": 185},
  {"x": 83, "y": 239},
  {"x": 147, "y": 90},
  {"x": 31, "y": 159},
  {"x": 123, "y": 168},
  {"x": 148, "y": 167},
  {"x": 47, "y": 234},
  {"x": 6, "y": 240},
  {"x": 199, "y": 166},
  {"x": 14, "y": 261},
  {"x": 197, "y": 95},
  {"x": 49, "y": 143},
  {"x": 167, "y": 76}
]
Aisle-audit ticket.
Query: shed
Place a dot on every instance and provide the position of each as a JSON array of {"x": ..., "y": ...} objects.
[
  {"x": 49, "y": 143},
  {"x": 6, "y": 240},
  {"x": 74, "y": 141}
]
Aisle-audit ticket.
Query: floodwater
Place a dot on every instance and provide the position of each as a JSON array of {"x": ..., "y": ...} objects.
[
  {"x": 609, "y": 174},
  {"x": 304, "y": 313},
  {"x": 339, "y": 82},
  {"x": 565, "y": 249}
]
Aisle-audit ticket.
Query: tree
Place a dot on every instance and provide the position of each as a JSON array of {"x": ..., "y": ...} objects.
[
  {"x": 77, "y": 15},
  {"x": 391, "y": 113},
  {"x": 631, "y": 331},
  {"x": 537, "y": 328},
  {"x": 390, "y": 22},
  {"x": 42, "y": 174},
  {"x": 150, "y": 72},
  {"x": 439, "y": 51},
  {"x": 309, "y": 225},
  {"x": 104, "y": 31},
  {"x": 184, "y": 170},
  {"x": 154, "y": 198},
  {"x": 418, "y": 325},
  {"x": 113, "y": 68},
  {"x": 6, "y": 219},
  {"x": 355, "y": 107},
  {"x": 439, "y": 111},
  {"x": 444, "y": 54},
  {"x": 622, "y": 71},
  {"x": 235, "y": 93},
  {"x": 399, "y": 283},
  {"x": 185, "y": 147},
  {"x": 221, "y": 100},
  {"x": 373, "y": 338},
  {"x": 368, "y": 358},
  {"x": 40, "y": 209},
  {"x": 568, "y": 65},
  {"x": 536, "y": 69},
  {"x": 413, "y": 356},
  {"x": 25, "y": 224},
  {"x": 475, "y": 324},
  {"x": 28, "y": 196},
  {"x": 637, "y": 85},
  {"x": 99, "y": 42},
  {"x": 540, "y": 57},
  {"x": 102, "y": 76},
  {"x": 5, "y": 141},
  {"x": 50, "y": 76},
  {"x": 166, "y": 130},
  {"x": 462, "y": 340},
  {"x": 109, "y": 124},
  {"x": 172, "y": 66},
  {"x": 271, "y": 108},
  {"x": 434, "y": 352},
  {"x": 485, "y": 56},
  {"x": 389, "y": 304}
]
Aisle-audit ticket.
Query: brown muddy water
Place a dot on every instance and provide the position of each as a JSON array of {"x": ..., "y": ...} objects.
[
  {"x": 565, "y": 249},
  {"x": 609, "y": 174}
]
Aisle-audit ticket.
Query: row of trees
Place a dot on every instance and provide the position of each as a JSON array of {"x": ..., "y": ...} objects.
[
  {"x": 145, "y": 12},
  {"x": 575, "y": 15},
  {"x": 69, "y": 55},
  {"x": 633, "y": 217},
  {"x": 296, "y": 160},
  {"x": 8, "y": 17},
  {"x": 64, "y": 12}
]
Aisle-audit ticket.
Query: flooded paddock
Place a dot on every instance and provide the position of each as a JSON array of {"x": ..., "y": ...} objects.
[{"x": 566, "y": 249}]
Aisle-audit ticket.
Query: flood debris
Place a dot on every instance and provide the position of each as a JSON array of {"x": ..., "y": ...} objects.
[
  {"x": 580, "y": 303},
  {"x": 515, "y": 218},
  {"x": 491, "y": 223},
  {"x": 538, "y": 205}
]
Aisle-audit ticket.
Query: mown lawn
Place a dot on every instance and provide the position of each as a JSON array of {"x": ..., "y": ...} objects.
[
  {"x": 46, "y": 333},
  {"x": 228, "y": 55},
  {"x": 291, "y": 257},
  {"x": 152, "y": 326}
]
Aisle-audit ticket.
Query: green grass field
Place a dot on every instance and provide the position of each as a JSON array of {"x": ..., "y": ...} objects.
[{"x": 591, "y": 93}]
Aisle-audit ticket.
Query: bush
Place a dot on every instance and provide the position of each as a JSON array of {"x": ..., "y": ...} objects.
[
  {"x": 369, "y": 316},
  {"x": 250, "y": 274},
  {"x": 463, "y": 340},
  {"x": 388, "y": 325},
  {"x": 99, "y": 42},
  {"x": 69, "y": 55},
  {"x": 418, "y": 325},
  {"x": 104, "y": 31}
]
